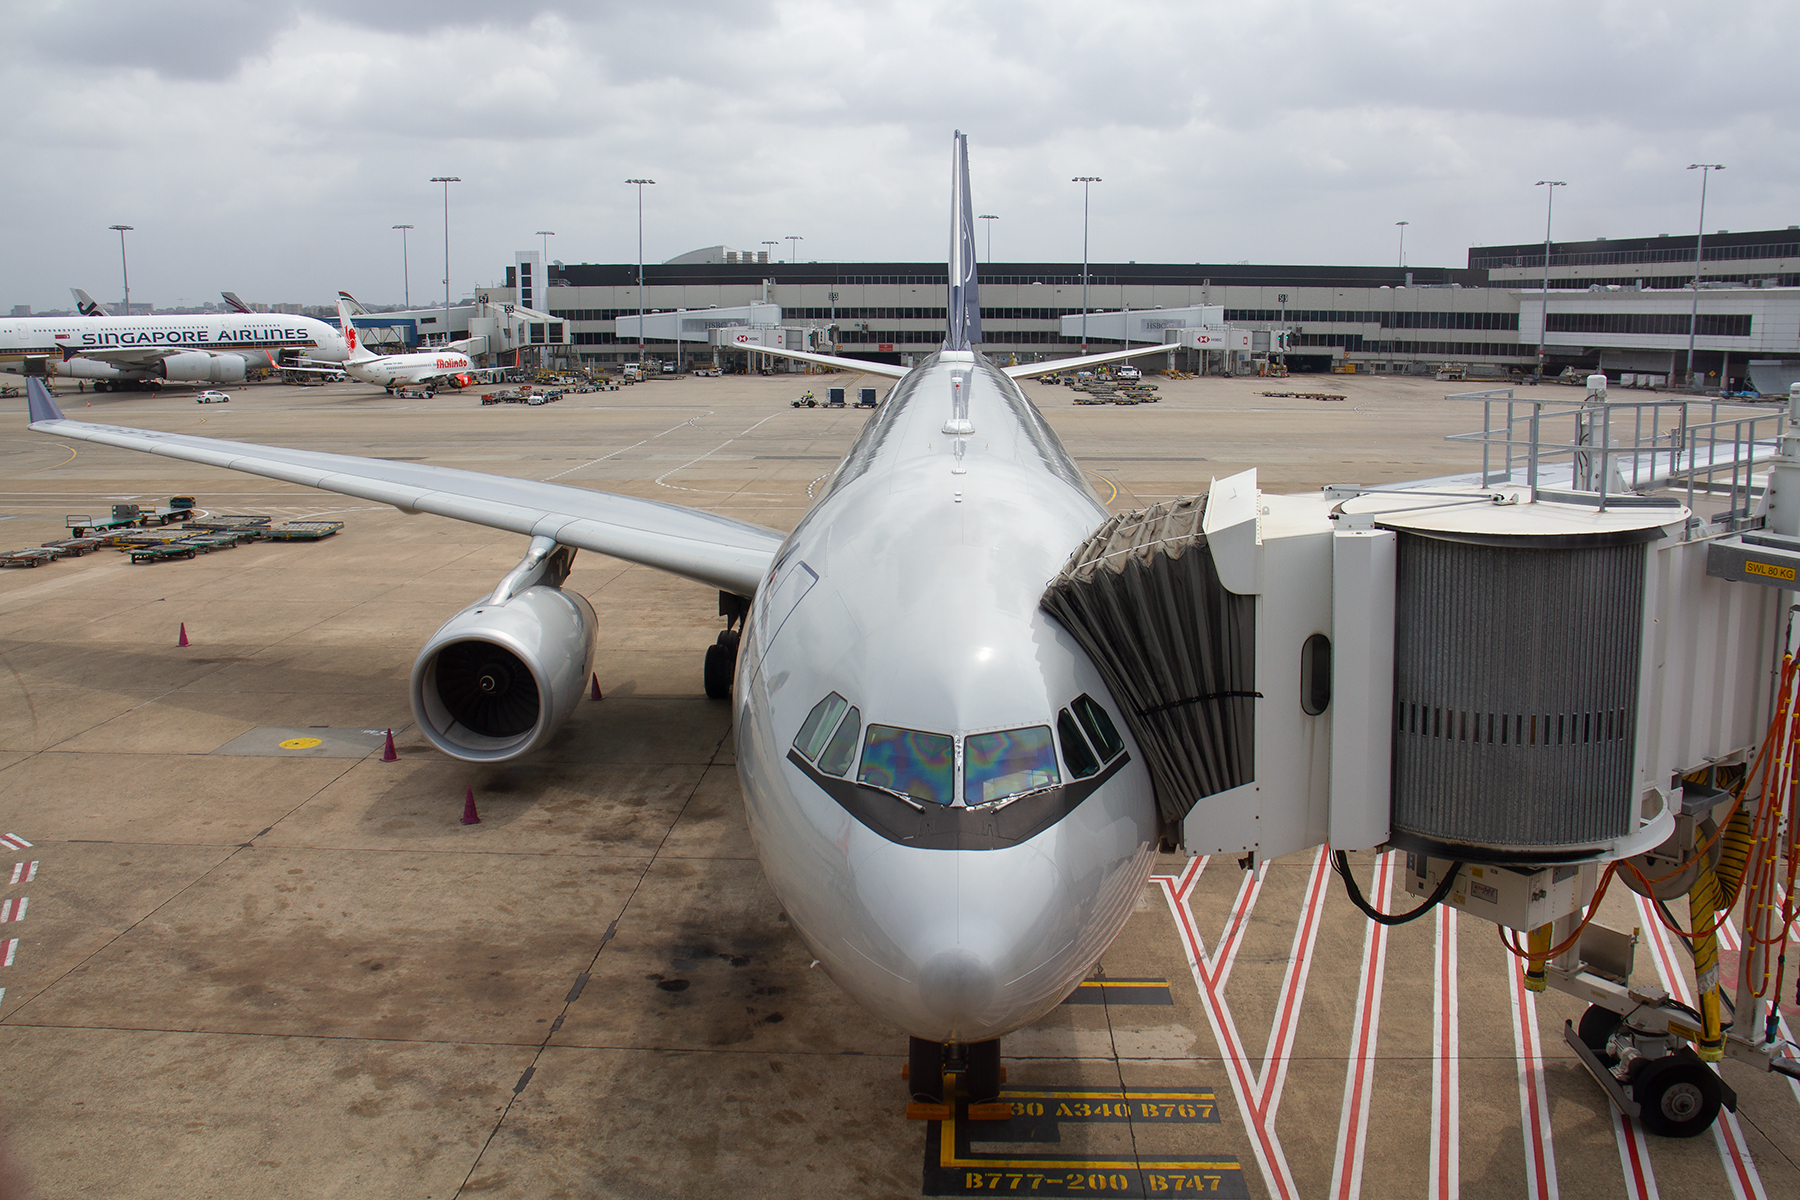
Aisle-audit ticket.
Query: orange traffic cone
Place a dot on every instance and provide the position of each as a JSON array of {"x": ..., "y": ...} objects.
[
  {"x": 470, "y": 816},
  {"x": 595, "y": 694},
  {"x": 182, "y": 640},
  {"x": 388, "y": 753}
]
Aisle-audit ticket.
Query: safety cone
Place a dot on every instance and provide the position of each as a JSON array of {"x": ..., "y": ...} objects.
[
  {"x": 470, "y": 816},
  {"x": 595, "y": 694},
  {"x": 388, "y": 753},
  {"x": 182, "y": 640}
]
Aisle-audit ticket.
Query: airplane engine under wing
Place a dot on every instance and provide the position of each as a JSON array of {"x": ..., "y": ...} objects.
[
  {"x": 498, "y": 680},
  {"x": 194, "y": 366}
]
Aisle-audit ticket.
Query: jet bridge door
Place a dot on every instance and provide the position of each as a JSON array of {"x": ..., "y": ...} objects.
[{"x": 1178, "y": 651}]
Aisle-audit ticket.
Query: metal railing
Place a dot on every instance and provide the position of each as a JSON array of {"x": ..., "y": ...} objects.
[{"x": 1620, "y": 452}]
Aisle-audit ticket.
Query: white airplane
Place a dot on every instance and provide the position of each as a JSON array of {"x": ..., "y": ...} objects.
[
  {"x": 942, "y": 791},
  {"x": 431, "y": 369},
  {"x": 141, "y": 352}
]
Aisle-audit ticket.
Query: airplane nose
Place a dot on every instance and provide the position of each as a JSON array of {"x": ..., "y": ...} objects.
[{"x": 956, "y": 985}]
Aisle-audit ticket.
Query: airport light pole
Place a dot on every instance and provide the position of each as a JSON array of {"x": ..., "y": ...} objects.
[
  {"x": 1403, "y": 225},
  {"x": 1085, "y": 181},
  {"x": 1549, "y": 186},
  {"x": 126, "y": 271},
  {"x": 771, "y": 242},
  {"x": 546, "y": 234},
  {"x": 990, "y": 237},
  {"x": 405, "y": 265},
  {"x": 1705, "y": 169},
  {"x": 794, "y": 240},
  {"x": 640, "y": 184},
  {"x": 446, "y": 180}
]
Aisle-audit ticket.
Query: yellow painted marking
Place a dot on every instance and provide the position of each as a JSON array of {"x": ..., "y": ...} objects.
[
  {"x": 1124, "y": 983},
  {"x": 301, "y": 743},
  {"x": 1769, "y": 570},
  {"x": 1109, "y": 483},
  {"x": 65, "y": 462},
  {"x": 947, "y": 1140}
]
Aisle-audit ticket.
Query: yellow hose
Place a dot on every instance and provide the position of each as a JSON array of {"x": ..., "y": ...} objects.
[
  {"x": 1537, "y": 949},
  {"x": 1703, "y": 907},
  {"x": 1734, "y": 853}
]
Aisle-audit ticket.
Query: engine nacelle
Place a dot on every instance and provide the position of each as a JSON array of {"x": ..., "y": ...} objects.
[
  {"x": 84, "y": 368},
  {"x": 196, "y": 366},
  {"x": 499, "y": 679}
]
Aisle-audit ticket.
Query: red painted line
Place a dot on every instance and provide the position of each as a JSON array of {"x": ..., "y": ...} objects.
[
  {"x": 1634, "y": 1158},
  {"x": 13, "y": 910},
  {"x": 15, "y": 841},
  {"x": 24, "y": 872},
  {"x": 1353, "y": 1121},
  {"x": 1540, "y": 1154},
  {"x": 12, "y": 948}
]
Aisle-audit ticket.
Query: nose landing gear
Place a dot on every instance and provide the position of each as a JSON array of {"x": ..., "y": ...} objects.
[
  {"x": 936, "y": 1073},
  {"x": 721, "y": 656}
]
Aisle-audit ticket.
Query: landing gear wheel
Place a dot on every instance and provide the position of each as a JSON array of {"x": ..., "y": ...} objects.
[
  {"x": 721, "y": 665},
  {"x": 1679, "y": 1096},
  {"x": 430, "y": 392},
  {"x": 981, "y": 1071},
  {"x": 1596, "y": 1029},
  {"x": 925, "y": 1070}
]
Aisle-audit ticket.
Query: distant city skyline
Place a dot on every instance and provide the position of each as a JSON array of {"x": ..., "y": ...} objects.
[{"x": 251, "y": 151}]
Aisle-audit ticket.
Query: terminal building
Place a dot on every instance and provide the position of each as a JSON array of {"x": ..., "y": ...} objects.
[{"x": 1620, "y": 306}]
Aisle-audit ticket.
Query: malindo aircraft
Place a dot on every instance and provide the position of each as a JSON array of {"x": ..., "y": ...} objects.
[
  {"x": 430, "y": 369},
  {"x": 949, "y": 868},
  {"x": 137, "y": 353}
]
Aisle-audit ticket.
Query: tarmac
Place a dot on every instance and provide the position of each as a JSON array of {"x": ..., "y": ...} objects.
[{"x": 243, "y": 965}]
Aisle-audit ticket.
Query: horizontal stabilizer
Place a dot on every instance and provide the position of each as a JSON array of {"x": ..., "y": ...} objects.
[
  {"x": 1031, "y": 370},
  {"x": 891, "y": 370}
]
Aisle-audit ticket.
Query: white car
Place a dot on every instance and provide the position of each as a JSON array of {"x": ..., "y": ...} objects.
[{"x": 212, "y": 398}]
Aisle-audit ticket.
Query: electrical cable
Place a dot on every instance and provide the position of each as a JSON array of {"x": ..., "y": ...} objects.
[{"x": 1340, "y": 862}]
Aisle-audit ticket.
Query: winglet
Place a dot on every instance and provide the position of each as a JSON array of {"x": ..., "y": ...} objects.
[
  {"x": 965, "y": 291},
  {"x": 39, "y": 403}
]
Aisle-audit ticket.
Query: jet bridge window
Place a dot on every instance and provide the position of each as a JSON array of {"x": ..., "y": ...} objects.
[
  {"x": 920, "y": 765},
  {"x": 828, "y": 735},
  {"x": 1008, "y": 763},
  {"x": 1088, "y": 735}
]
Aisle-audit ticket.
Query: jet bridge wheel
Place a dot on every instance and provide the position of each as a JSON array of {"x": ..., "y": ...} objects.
[
  {"x": 721, "y": 665},
  {"x": 1679, "y": 1095},
  {"x": 1596, "y": 1029}
]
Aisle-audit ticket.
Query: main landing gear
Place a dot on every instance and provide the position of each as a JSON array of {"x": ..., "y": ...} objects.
[
  {"x": 937, "y": 1073},
  {"x": 721, "y": 656}
]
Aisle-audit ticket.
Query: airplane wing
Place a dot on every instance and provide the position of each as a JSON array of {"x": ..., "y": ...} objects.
[
  {"x": 832, "y": 360},
  {"x": 131, "y": 354},
  {"x": 1088, "y": 360},
  {"x": 731, "y": 555}
]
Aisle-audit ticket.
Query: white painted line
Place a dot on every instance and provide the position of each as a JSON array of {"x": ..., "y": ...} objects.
[
  {"x": 13, "y": 910},
  {"x": 1634, "y": 1157},
  {"x": 12, "y": 948},
  {"x": 1534, "y": 1103},
  {"x": 15, "y": 841},
  {"x": 1734, "y": 1151},
  {"x": 1359, "y": 1079},
  {"x": 24, "y": 872},
  {"x": 1446, "y": 1067}
]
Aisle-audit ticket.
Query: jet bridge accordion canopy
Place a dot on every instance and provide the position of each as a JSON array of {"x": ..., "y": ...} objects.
[{"x": 1177, "y": 650}]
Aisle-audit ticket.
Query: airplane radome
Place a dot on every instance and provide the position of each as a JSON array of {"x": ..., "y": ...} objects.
[{"x": 941, "y": 789}]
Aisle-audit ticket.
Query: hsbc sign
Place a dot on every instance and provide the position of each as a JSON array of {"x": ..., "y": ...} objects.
[{"x": 1216, "y": 339}]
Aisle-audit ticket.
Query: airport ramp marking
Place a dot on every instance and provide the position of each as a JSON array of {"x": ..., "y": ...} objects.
[
  {"x": 1634, "y": 1157},
  {"x": 1121, "y": 991},
  {"x": 12, "y": 948},
  {"x": 24, "y": 872},
  {"x": 13, "y": 910},
  {"x": 1734, "y": 1152},
  {"x": 1359, "y": 1079},
  {"x": 1534, "y": 1101},
  {"x": 15, "y": 841},
  {"x": 1446, "y": 1066},
  {"x": 1730, "y": 943},
  {"x": 1258, "y": 1093}
]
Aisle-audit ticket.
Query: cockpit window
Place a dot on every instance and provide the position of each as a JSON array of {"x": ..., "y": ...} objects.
[
  {"x": 998, "y": 765},
  {"x": 819, "y": 724},
  {"x": 1076, "y": 752},
  {"x": 920, "y": 765},
  {"x": 1099, "y": 727},
  {"x": 840, "y": 751}
]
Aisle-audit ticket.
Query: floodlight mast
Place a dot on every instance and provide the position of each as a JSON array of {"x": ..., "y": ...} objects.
[
  {"x": 1705, "y": 169},
  {"x": 123, "y": 268},
  {"x": 1549, "y": 186},
  {"x": 794, "y": 240},
  {"x": 990, "y": 235},
  {"x": 1084, "y": 181},
  {"x": 640, "y": 184},
  {"x": 446, "y": 180},
  {"x": 405, "y": 266}
]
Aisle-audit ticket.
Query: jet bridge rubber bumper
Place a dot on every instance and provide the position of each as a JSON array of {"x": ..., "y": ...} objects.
[{"x": 1177, "y": 650}]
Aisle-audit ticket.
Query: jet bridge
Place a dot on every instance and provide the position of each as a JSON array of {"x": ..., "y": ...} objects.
[{"x": 1563, "y": 663}]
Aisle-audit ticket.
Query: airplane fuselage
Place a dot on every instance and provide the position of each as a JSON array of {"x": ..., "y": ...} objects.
[
  {"x": 397, "y": 370},
  {"x": 103, "y": 347},
  {"x": 954, "y": 861}
]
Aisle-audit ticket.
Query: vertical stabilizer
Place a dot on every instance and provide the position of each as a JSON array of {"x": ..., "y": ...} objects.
[
  {"x": 965, "y": 292},
  {"x": 347, "y": 326},
  {"x": 231, "y": 298},
  {"x": 86, "y": 305}
]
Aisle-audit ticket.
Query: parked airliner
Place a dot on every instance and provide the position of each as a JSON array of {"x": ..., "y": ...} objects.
[
  {"x": 430, "y": 369},
  {"x": 118, "y": 353},
  {"x": 941, "y": 789}
]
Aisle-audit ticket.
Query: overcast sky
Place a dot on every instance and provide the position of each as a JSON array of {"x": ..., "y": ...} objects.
[{"x": 269, "y": 148}]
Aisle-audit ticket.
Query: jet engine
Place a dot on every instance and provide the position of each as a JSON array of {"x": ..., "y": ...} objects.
[
  {"x": 502, "y": 675},
  {"x": 196, "y": 366}
]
